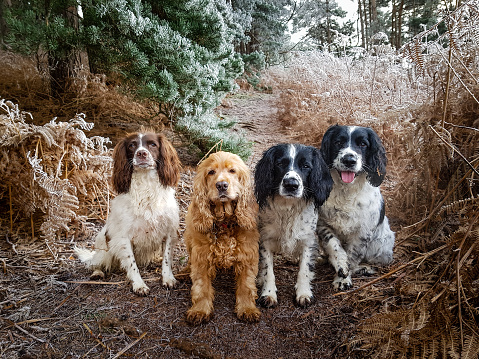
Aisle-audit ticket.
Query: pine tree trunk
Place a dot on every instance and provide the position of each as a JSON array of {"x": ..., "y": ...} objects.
[
  {"x": 399, "y": 24},
  {"x": 367, "y": 25},
  {"x": 328, "y": 25},
  {"x": 64, "y": 69},
  {"x": 3, "y": 25},
  {"x": 361, "y": 20},
  {"x": 373, "y": 16}
]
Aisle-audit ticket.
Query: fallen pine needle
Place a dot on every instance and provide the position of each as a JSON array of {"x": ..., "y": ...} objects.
[
  {"x": 30, "y": 321},
  {"x": 67, "y": 297},
  {"x": 94, "y": 336},
  {"x": 94, "y": 282},
  {"x": 121, "y": 352},
  {"x": 27, "y": 333}
]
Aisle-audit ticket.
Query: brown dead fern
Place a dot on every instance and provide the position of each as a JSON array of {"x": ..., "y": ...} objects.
[{"x": 54, "y": 174}]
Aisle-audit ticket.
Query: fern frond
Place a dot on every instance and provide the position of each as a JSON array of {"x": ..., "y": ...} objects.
[{"x": 471, "y": 347}]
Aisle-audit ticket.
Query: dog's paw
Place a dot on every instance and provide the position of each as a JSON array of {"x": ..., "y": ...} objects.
[
  {"x": 169, "y": 282},
  {"x": 268, "y": 301},
  {"x": 141, "y": 289},
  {"x": 250, "y": 315},
  {"x": 341, "y": 283},
  {"x": 97, "y": 274},
  {"x": 196, "y": 317},
  {"x": 365, "y": 269},
  {"x": 304, "y": 300}
]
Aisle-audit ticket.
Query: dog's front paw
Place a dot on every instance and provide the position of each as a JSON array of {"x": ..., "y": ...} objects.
[
  {"x": 268, "y": 301},
  {"x": 196, "y": 317},
  {"x": 341, "y": 283},
  {"x": 169, "y": 282},
  {"x": 304, "y": 300},
  {"x": 141, "y": 289},
  {"x": 250, "y": 315}
]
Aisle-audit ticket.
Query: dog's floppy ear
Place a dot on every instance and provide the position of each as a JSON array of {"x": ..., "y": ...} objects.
[
  {"x": 376, "y": 159},
  {"x": 200, "y": 205},
  {"x": 326, "y": 144},
  {"x": 246, "y": 207},
  {"x": 263, "y": 177},
  {"x": 122, "y": 168},
  {"x": 168, "y": 165},
  {"x": 320, "y": 180}
]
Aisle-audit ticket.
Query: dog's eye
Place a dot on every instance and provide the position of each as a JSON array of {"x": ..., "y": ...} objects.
[
  {"x": 363, "y": 144},
  {"x": 306, "y": 165},
  {"x": 232, "y": 170},
  {"x": 152, "y": 144},
  {"x": 211, "y": 173},
  {"x": 132, "y": 145}
]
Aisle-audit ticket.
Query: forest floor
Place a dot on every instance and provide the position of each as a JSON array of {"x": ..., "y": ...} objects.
[{"x": 50, "y": 308}]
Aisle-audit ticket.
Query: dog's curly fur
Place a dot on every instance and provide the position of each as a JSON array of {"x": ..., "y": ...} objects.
[{"x": 221, "y": 232}]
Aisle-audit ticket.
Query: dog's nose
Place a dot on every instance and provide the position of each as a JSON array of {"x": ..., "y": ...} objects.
[
  {"x": 290, "y": 184},
  {"x": 141, "y": 154},
  {"x": 349, "y": 160},
  {"x": 222, "y": 186}
]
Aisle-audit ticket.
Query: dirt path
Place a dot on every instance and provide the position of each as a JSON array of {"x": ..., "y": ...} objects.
[{"x": 256, "y": 114}]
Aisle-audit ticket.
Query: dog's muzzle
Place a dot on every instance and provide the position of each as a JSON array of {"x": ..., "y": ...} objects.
[{"x": 291, "y": 185}]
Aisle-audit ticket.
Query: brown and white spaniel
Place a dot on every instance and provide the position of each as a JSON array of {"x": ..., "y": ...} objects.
[
  {"x": 144, "y": 217},
  {"x": 221, "y": 232}
]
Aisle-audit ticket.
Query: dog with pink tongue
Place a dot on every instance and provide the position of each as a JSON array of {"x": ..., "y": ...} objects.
[{"x": 352, "y": 227}]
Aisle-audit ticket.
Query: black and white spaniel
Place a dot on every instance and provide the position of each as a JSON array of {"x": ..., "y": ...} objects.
[
  {"x": 144, "y": 217},
  {"x": 291, "y": 182},
  {"x": 352, "y": 227}
]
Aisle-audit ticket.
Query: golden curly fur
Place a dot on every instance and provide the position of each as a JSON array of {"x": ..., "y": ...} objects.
[{"x": 221, "y": 232}]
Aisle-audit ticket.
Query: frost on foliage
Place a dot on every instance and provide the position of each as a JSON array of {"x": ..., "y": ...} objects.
[
  {"x": 54, "y": 170},
  {"x": 209, "y": 130}
]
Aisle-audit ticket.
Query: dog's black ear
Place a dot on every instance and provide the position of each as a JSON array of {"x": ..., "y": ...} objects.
[
  {"x": 326, "y": 145},
  {"x": 320, "y": 179},
  {"x": 263, "y": 177},
  {"x": 376, "y": 159}
]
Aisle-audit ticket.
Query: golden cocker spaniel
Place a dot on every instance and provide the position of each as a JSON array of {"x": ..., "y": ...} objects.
[{"x": 221, "y": 232}]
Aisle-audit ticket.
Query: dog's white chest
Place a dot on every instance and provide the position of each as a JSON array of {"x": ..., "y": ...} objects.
[
  {"x": 352, "y": 209},
  {"x": 288, "y": 223}
]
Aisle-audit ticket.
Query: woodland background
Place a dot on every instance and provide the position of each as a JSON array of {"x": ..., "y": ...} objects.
[{"x": 76, "y": 75}]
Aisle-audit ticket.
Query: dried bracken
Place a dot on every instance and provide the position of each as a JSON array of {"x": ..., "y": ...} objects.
[{"x": 53, "y": 174}]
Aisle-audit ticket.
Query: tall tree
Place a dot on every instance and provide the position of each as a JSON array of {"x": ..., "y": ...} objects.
[
  {"x": 265, "y": 24},
  {"x": 408, "y": 18},
  {"x": 51, "y": 27},
  {"x": 321, "y": 21}
]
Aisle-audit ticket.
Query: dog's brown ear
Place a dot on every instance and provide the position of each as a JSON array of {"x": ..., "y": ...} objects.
[
  {"x": 169, "y": 164},
  {"x": 122, "y": 168},
  {"x": 200, "y": 206},
  {"x": 246, "y": 208}
]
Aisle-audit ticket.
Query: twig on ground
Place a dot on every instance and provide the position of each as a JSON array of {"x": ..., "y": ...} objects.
[{"x": 121, "y": 352}]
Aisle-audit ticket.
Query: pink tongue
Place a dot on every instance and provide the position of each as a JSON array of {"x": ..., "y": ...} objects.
[{"x": 347, "y": 176}]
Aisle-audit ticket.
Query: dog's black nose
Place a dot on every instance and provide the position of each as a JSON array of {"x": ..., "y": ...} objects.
[
  {"x": 141, "y": 154},
  {"x": 349, "y": 160},
  {"x": 290, "y": 184},
  {"x": 222, "y": 186}
]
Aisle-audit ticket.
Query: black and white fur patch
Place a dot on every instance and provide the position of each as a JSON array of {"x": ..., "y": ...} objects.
[
  {"x": 291, "y": 183},
  {"x": 352, "y": 227}
]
